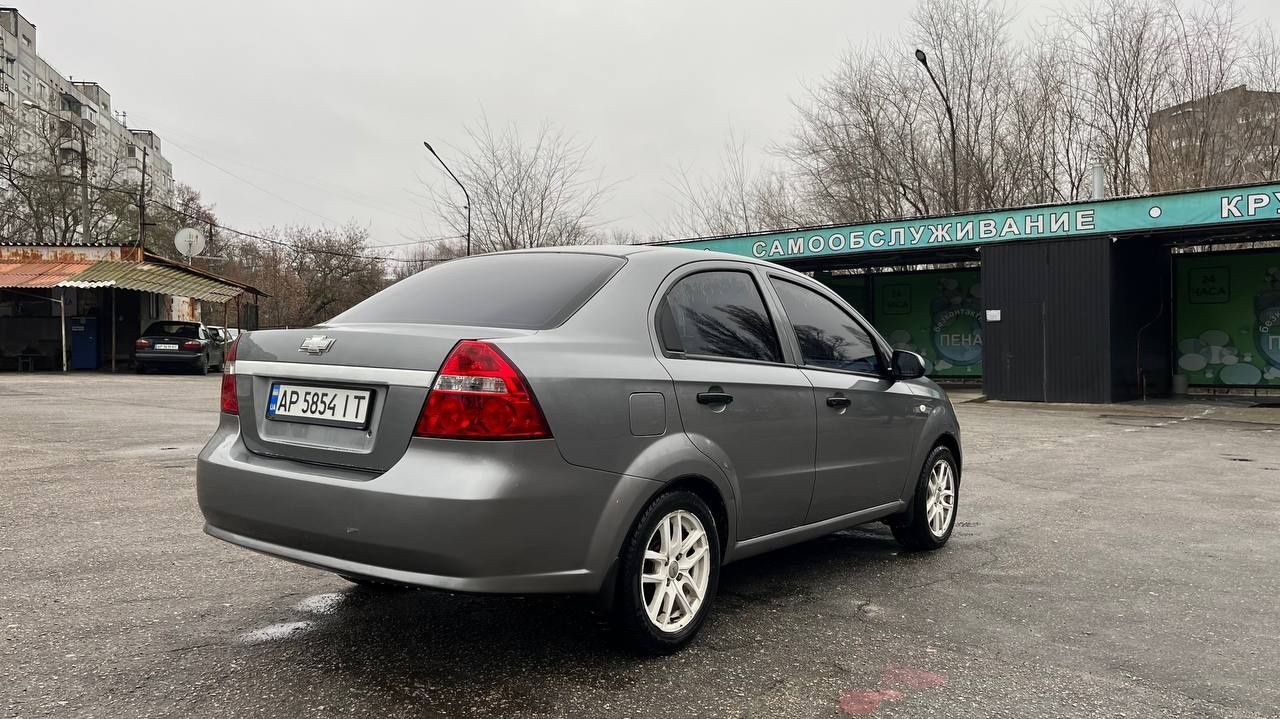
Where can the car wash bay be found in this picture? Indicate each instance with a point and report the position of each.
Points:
(1100, 301)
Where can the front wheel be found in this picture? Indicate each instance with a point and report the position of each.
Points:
(670, 568)
(932, 516)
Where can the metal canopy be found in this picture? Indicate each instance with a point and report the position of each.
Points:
(164, 279)
(160, 279)
(39, 274)
(1229, 209)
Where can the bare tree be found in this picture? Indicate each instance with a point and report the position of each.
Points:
(41, 183)
(873, 139)
(741, 198)
(311, 273)
(525, 192)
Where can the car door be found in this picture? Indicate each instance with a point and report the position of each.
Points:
(214, 349)
(867, 424)
(741, 400)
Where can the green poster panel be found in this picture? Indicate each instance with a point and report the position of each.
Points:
(935, 314)
(1228, 319)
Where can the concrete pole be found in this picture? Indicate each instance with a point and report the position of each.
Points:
(62, 315)
(84, 184)
(1099, 176)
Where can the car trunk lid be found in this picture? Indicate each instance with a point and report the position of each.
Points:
(393, 365)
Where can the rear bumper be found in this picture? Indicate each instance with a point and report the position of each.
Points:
(177, 357)
(508, 517)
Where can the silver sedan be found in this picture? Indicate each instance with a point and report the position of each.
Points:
(612, 420)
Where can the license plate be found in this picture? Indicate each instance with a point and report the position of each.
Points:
(166, 347)
(321, 405)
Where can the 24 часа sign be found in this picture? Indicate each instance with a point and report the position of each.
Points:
(1228, 319)
(935, 314)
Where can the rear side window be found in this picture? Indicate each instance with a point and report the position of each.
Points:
(173, 329)
(828, 336)
(522, 291)
(718, 314)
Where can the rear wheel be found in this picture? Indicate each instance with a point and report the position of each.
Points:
(933, 508)
(669, 572)
(140, 368)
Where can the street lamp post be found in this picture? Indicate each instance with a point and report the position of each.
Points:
(465, 194)
(951, 119)
(84, 168)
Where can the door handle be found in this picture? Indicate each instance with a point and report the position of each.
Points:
(838, 400)
(714, 398)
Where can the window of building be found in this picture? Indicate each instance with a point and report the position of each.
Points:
(718, 314)
(828, 336)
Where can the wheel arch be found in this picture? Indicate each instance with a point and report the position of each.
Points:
(699, 484)
(708, 492)
(949, 440)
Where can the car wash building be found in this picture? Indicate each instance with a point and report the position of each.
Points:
(1099, 301)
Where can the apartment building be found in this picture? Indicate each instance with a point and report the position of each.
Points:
(78, 110)
(1229, 137)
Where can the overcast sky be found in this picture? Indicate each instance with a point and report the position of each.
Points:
(316, 110)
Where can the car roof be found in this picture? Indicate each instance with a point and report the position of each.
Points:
(675, 255)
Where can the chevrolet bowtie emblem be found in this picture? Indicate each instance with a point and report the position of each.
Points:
(317, 345)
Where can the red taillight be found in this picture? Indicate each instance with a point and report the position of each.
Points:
(479, 394)
(142, 344)
(191, 345)
(230, 403)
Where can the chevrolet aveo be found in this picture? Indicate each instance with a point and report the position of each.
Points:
(612, 420)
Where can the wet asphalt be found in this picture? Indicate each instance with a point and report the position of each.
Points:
(1105, 564)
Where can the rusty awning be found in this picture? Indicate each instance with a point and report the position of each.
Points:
(39, 274)
(158, 277)
(148, 277)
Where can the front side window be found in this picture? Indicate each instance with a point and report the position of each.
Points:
(828, 336)
(718, 314)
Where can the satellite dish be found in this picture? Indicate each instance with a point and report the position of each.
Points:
(189, 242)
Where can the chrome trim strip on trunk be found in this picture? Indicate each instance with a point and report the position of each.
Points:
(341, 373)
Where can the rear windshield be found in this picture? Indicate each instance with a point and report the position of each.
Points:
(520, 291)
(173, 329)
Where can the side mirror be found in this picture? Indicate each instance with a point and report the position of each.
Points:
(907, 365)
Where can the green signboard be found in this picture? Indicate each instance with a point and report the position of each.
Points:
(1228, 319)
(1135, 214)
(935, 314)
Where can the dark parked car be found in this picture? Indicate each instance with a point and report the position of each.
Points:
(610, 420)
(170, 344)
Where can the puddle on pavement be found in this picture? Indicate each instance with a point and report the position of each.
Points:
(275, 632)
(322, 603)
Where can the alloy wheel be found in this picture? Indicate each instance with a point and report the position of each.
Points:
(675, 571)
(940, 499)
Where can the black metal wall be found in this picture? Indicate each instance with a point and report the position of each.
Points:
(1053, 340)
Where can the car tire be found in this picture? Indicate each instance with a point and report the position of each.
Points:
(660, 608)
(140, 368)
(927, 525)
